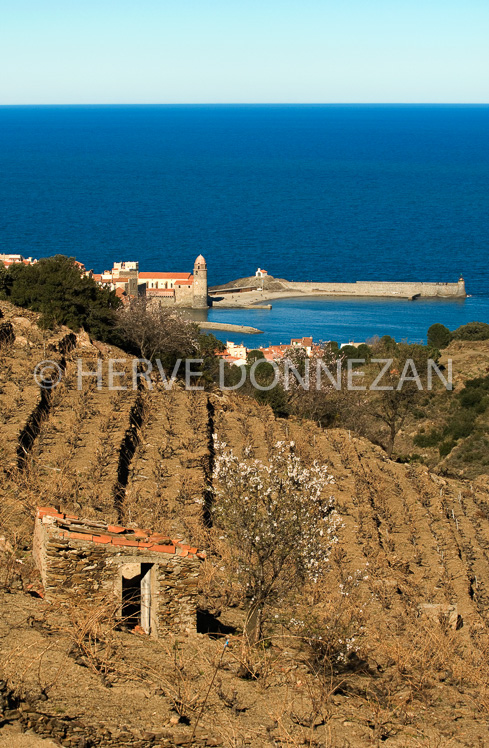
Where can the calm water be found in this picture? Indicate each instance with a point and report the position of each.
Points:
(308, 192)
(347, 320)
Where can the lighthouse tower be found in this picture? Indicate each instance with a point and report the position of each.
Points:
(200, 284)
(461, 287)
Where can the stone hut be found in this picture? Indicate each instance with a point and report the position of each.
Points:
(153, 577)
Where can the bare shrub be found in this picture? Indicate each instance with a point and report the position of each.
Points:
(157, 332)
(333, 631)
(90, 627)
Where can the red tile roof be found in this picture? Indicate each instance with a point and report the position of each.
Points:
(70, 526)
(164, 276)
(305, 342)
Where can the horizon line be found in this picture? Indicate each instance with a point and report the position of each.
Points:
(249, 103)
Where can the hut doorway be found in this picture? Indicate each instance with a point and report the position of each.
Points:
(136, 595)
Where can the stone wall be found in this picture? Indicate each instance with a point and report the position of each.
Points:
(79, 733)
(182, 297)
(381, 289)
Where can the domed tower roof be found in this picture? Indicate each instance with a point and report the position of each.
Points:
(200, 260)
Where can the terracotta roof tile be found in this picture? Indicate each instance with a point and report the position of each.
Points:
(69, 526)
(141, 533)
(122, 541)
(164, 276)
(163, 548)
(80, 536)
(158, 538)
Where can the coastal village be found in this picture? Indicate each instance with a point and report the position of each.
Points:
(168, 288)
(176, 289)
(237, 354)
(191, 291)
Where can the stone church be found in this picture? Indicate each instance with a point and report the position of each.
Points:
(179, 289)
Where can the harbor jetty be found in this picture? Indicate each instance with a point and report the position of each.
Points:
(228, 327)
(258, 289)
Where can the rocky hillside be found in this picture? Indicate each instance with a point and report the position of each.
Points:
(450, 438)
(409, 579)
(267, 282)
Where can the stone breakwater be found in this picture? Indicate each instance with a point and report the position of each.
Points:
(245, 329)
(246, 291)
(409, 290)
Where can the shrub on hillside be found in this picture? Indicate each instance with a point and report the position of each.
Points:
(352, 353)
(475, 394)
(439, 336)
(254, 355)
(56, 288)
(446, 447)
(431, 439)
(158, 333)
(404, 387)
(332, 635)
(332, 347)
(461, 425)
(388, 344)
(472, 331)
(474, 398)
(276, 398)
(5, 281)
(363, 351)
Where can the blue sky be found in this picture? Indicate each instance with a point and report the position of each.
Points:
(220, 51)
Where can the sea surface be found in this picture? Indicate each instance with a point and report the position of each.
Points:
(324, 193)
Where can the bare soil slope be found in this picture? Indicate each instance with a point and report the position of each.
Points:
(420, 673)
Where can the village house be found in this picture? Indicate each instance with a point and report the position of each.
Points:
(305, 343)
(123, 279)
(237, 351)
(127, 268)
(274, 352)
(157, 280)
(11, 259)
(153, 577)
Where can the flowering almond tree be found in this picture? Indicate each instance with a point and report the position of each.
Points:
(278, 522)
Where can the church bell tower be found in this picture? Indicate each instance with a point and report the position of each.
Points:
(200, 300)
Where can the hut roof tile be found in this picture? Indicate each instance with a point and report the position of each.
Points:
(72, 527)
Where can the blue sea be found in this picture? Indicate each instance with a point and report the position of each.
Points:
(325, 193)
